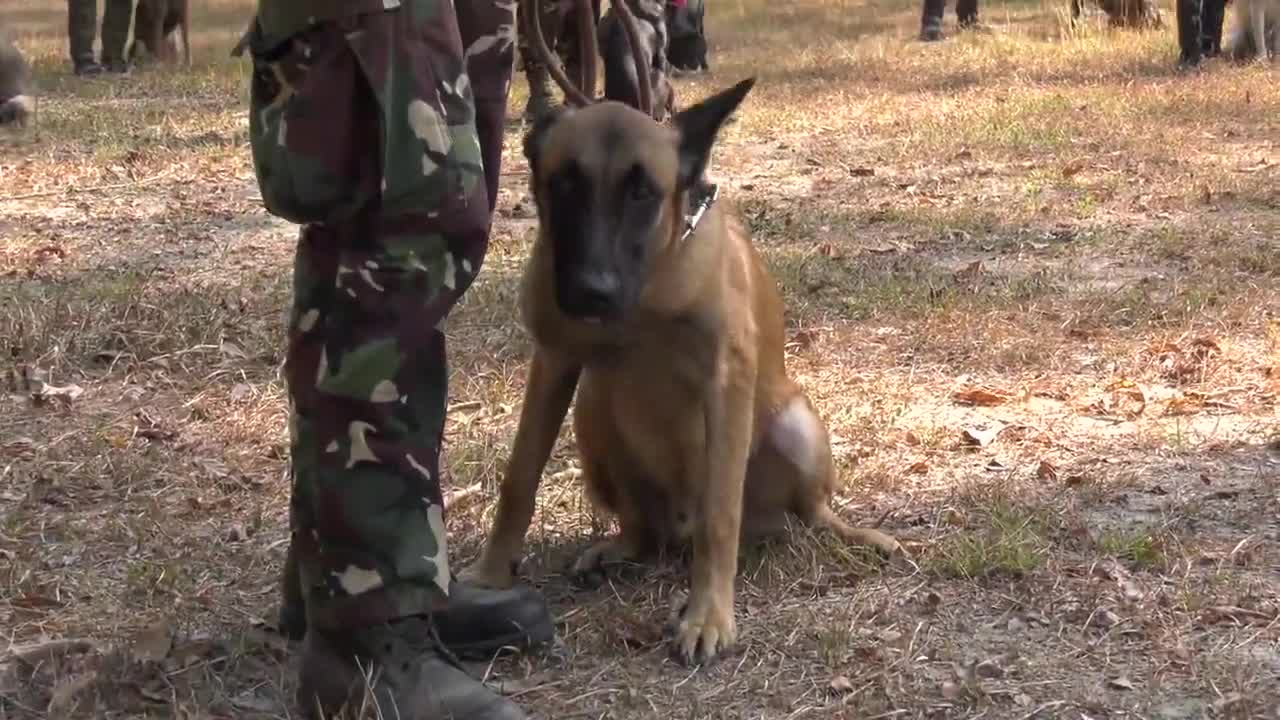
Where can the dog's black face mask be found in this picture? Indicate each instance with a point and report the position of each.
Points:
(601, 234)
(606, 186)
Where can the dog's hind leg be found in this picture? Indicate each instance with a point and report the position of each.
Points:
(795, 458)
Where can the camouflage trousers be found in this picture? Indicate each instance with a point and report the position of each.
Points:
(559, 27)
(385, 144)
(931, 14)
(82, 27)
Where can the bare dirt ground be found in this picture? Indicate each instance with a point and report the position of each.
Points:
(1032, 285)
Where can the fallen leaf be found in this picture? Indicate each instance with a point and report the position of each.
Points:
(969, 273)
(862, 171)
(951, 691)
(240, 391)
(918, 468)
(1130, 590)
(153, 643)
(990, 669)
(982, 437)
(979, 396)
(1120, 683)
(1047, 471)
(1074, 480)
(236, 533)
(32, 601)
(1073, 168)
(841, 685)
(1022, 700)
(1104, 618)
(995, 466)
(65, 393)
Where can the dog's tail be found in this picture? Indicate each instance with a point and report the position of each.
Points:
(825, 517)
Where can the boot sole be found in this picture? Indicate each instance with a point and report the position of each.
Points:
(526, 639)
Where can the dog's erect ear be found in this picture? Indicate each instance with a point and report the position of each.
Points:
(698, 126)
(538, 133)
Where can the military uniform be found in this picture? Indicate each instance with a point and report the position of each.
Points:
(1199, 29)
(377, 126)
(82, 26)
(561, 33)
(931, 17)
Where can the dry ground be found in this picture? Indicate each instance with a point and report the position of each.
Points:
(1031, 280)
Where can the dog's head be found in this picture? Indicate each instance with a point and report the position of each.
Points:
(611, 188)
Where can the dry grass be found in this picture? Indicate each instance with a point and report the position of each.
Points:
(1058, 218)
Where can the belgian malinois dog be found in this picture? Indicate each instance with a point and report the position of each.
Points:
(643, 293)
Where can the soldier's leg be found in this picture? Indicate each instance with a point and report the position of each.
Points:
(967, 13)
(1189, 25)
(398, 238)
(931, 20)
(1212, 15)
(491, 23)
(541, 92)
(117, 16)
(568, 42)
(82, 28)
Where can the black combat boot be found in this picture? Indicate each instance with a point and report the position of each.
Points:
(88, 68)
(476, 623)
(398, 669)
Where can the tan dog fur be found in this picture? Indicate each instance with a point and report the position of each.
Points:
(687, 426)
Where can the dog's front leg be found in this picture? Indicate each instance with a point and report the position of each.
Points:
(553, 378)
(707, 625)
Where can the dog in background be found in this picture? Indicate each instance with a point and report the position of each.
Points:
(1257, 30)
(154, 23)
(620, 80)
(16, 103)
(646, 298)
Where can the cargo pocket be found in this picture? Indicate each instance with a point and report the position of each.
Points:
(313, 128)
(430, 154)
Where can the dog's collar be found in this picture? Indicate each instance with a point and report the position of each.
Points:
(703, 195)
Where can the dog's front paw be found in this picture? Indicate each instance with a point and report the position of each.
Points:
(490, 573)
(704, 630)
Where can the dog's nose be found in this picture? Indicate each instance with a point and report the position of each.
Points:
(596, 292)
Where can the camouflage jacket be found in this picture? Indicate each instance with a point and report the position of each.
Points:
(281, 19)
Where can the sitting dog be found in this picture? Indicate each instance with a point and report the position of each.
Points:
(15, 83)
(1257, 30)
(154, 22)
(644, 295)
(620, 80)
